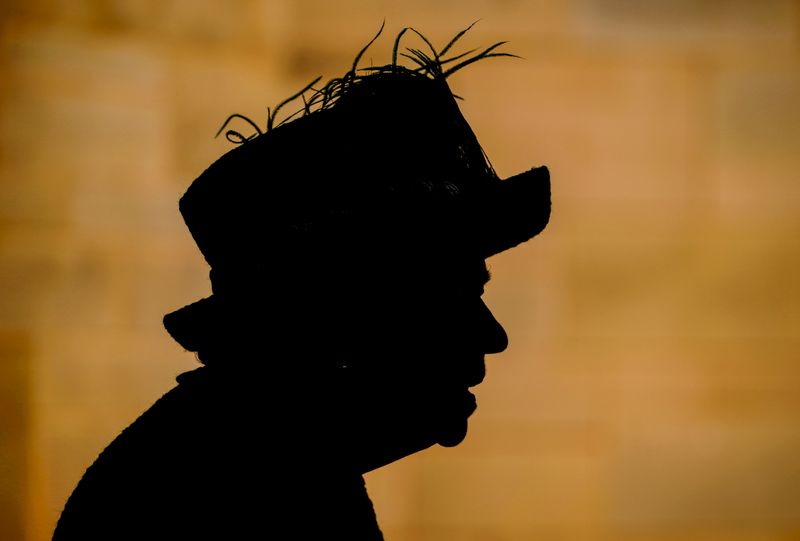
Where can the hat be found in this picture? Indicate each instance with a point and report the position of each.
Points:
(391, 160)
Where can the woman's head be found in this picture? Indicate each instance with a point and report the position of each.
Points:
(347, 247)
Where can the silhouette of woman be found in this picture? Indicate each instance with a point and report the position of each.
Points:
(347, 249)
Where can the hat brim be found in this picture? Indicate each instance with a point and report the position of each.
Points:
(518, 208)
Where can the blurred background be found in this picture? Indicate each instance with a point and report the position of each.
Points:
(652, 387)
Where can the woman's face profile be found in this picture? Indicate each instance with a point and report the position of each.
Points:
(422, 350)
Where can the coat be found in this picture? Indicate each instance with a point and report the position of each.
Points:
(218, 457)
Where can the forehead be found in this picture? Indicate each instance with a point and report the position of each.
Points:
(460, 271)
(427, 270)
(481, 273)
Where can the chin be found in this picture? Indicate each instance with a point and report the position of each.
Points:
(453, 435)
(453, 428)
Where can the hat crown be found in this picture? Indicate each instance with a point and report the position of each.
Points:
(394, 143)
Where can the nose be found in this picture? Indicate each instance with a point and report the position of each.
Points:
(494, 337)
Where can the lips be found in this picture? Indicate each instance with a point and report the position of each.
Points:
(471, 403)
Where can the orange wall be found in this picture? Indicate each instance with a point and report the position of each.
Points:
(652, 387)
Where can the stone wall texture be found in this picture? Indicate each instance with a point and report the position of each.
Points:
(652, 387)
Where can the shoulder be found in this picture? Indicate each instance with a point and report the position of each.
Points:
(145, 466)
